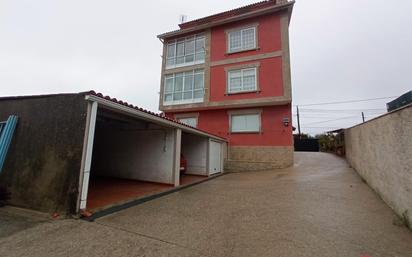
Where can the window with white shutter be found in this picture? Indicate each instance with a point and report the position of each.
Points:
(192, 121)
(245, 123)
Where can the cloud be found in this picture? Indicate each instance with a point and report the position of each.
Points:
(340, 49)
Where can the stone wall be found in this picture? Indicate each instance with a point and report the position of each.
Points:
(257, 158)
(380, 150)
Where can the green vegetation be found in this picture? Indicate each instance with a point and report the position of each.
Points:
(332, 142)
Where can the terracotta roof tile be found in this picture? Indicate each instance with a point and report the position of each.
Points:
(100, 95)
(229, 13)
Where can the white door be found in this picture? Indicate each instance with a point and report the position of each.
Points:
(215, 159)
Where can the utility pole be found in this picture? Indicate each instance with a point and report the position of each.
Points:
(363, 117)
(297, 112)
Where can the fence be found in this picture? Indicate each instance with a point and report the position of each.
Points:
(306, 145)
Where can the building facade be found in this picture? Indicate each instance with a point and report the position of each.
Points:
(229, 74)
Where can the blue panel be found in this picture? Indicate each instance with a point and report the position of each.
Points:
(6, 134)
(2, 124)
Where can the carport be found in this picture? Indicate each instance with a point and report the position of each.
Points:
(84, 151)
(204, 155)
(130, 153)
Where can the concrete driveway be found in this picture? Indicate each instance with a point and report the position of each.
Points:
(320, 207)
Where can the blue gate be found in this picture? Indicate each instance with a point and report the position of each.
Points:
(6, 134)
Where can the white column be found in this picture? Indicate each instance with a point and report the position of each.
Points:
(177, 148)
(88, 152)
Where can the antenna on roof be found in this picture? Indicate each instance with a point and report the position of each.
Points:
(182, 18)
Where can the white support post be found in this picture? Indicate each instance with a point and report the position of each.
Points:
(88, 152)
(177, 149)
(208, 157)
(222, 157)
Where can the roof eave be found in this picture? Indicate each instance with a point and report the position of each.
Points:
(288, 5)
(149, 117)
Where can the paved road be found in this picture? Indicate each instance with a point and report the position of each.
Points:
(320, 207)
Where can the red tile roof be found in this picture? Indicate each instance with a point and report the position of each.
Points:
(231, 13)
(112, 99)
(100, 95)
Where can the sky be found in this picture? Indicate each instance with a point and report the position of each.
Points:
(340, 51)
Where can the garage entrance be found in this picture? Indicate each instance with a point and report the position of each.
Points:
(194, 158)
(131, 158)
(131, 154)
(204, 156)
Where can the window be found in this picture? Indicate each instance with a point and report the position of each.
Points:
(242, 80)
(192, 121)
(184, 87)
(186, 51)
(242, 39)
(245, 122)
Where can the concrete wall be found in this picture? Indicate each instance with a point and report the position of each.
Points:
(43, 163)
(194, 149)
(381, 152)
(134, 154)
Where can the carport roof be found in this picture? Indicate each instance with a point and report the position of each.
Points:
(92, 95)
(117, 104)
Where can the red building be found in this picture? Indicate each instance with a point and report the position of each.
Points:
(229, 74)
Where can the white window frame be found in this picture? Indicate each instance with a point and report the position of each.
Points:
(242, 70)
(245, 113)
(242, 47)
(195, 53)
(184, 101)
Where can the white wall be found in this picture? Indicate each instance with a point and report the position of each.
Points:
(381, 152)
(134, 154)
(194, 149)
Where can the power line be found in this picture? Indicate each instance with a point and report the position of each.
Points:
(323, 127)
(341, 110)
(335, 113)
(344, 118)
(332, 115)
(349, 101)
